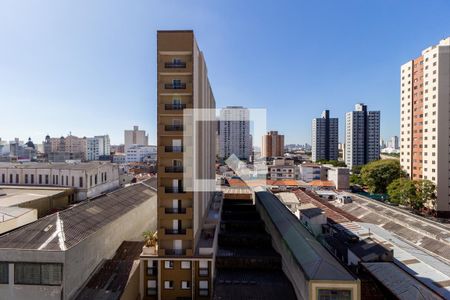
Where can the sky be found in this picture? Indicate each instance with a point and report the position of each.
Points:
(89, 66)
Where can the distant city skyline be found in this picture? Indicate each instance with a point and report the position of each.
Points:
(97, 76)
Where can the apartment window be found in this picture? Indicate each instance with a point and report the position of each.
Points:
(62, 180)
(203, 288)
(26, 178)
(168, 284)
(203, 268)
(39, 274)
(185, 285)
(4, 273)
(46, 179)
(186, 265)
(151, 288)
(32, 178)
(17, 178)
(81, 182)
(152, 268)
(168, 264)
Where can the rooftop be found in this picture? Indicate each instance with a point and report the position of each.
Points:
(17, 195)
(65, 166)
(311, 212)
(62, 230)
(315, 261)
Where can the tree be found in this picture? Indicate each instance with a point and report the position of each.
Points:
(401, 191)
(334, 163)
(425, 190)
(377, 175)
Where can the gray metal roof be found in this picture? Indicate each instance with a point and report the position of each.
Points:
(63, 230)
(311, 212)
(65, 166)
(315, 261)
(400, 283)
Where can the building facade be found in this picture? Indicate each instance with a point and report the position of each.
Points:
(362, 136)
(139, 153)
(234, 132)
(424, 120)
(272, 144)
(283, 168)
(325, 137)
(182, 267)
(135, 137)
(98, 147)
(65, 148)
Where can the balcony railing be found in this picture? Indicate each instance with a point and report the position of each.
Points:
(174, 127)
(174, 148)
(203, 292)
(173, 210)
(151, 291)
(203, 271)
(175, 65)
(175, 106)
(174, 169)
(175, 231)
(175, 251)
(174, 190)
(152, 271)
(178, 86)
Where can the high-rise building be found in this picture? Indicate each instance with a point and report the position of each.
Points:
(394, 143)
(272, 144)
(135, 137)
(183, 266)
(362, 136)
(98, 147)
(325, 137)
(425, 125)
(234, 132)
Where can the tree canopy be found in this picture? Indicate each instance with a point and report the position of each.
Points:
(411, 193)
(377, 175)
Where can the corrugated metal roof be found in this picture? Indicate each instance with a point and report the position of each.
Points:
(62, 230)
(316, 262)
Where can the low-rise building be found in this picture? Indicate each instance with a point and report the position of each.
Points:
(88, 179)
(283, 168)
(340, 176)
(313, 218)
(51, 258)
(310, 172)
(140, 153)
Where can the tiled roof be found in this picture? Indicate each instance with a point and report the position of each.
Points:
(322, 183)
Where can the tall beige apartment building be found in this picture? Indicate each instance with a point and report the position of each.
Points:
(184, 265)
(425, 120)
(272, 144)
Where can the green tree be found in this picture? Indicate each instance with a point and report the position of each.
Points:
(425, 190)
(402, 191)
(377, 175)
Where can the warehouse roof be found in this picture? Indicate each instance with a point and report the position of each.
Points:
(65, 166)
(63, 230)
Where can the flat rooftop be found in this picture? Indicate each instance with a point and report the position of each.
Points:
(9, 213)
(65, 229)
(17, 195)
(315, 261)
(66, 166)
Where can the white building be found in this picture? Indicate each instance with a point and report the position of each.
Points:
(97, 147)
(325, 137)
(89, 179)
(310, 172)
(57, 254)
(362, 136)
(339, 176)
(425, 122)
(139, 153)
(135, 137)
(234, 132)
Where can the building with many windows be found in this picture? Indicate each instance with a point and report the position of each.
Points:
(135, 137)
(362, 136)
(234, 132)
(425, 125)
(188, 216)
(272, 144)
(325, 137)
(89, 179)
(98, 147)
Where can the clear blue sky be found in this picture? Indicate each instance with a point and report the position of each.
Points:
(89, 66)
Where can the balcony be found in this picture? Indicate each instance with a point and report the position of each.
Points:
(173, 127)
(174, 190)
(175, 231)
(152, 271)
(174, 106)
(175, 234)
(177, 210)
(174, 169)
(176, 213)
(173, 252)
(203, 292)
(203, 272)
(171, 86)
(176, 149)
(175, 65)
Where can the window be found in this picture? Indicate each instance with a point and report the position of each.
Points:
(95, 179)
(203, 287)
(185, 264)
(203, 268)
(152, 268)
(46, 179)
(10, 178)
(3, 178)
(32, 178)
(168, 284)
(81, 182)
(4, 273)
(185, 285)
(168, 264)
(17, 178)
(151, 287)
(328, 294)
(39, 274)
(90, 180)
(26, 178)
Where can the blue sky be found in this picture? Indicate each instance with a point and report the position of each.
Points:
(89, 67)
